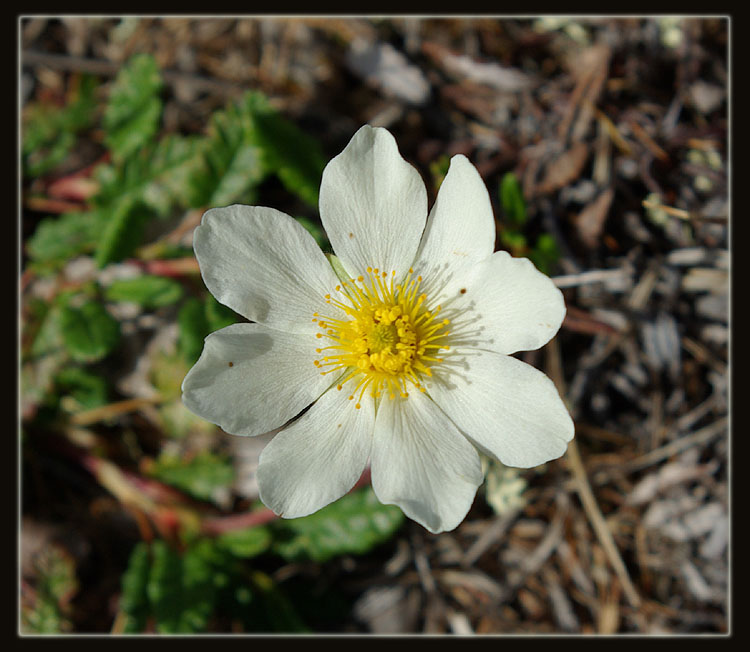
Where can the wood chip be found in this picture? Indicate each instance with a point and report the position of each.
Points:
(488, 73)
(706, 279)
(459, 623)
(565, 169)
(562, 609)
(589, 222)
(387, 69)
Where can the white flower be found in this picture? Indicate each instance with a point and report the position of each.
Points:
(404, 360)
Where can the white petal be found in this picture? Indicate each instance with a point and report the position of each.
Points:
(511, 410)
(373, 204)
(421, 463)
(319, 457)
(503, 304)
(264, 265)
(460, 228)
(251, 379)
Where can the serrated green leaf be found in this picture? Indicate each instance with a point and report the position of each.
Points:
(232, 164)
(87, 388)
(123, 232)
(39, 161)
(133, 111)
(134, 602)
(246, 543)
(199, 476)
(354, 524)
(48, 132)
(186, 589)
(147, 291)
(512, 201)
(58, 239)
(158, 176)
(245, 142)
(89, 332)
(48, 336)
(180, 590)
(294, 156)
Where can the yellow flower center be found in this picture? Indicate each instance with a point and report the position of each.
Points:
(388, 339)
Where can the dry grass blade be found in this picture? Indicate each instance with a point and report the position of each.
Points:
(111, 410)
(587, 496)
(600, 525)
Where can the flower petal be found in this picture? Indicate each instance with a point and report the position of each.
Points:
(318, 458)
(250, 379)
(503, 304)
(264, 265)
(422, 463)
(373, 204)
(509, 409)
(460, 228)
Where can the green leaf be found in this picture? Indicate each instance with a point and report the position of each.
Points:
(177, 421)
(193, 328)
(218, 315)
(159, 176)
(147, 291)
(133, 111)
(123, 232)
(49, 131)
(181, 589)
(245, 142)
(512, 201)
(354, 524)
(513, 240)
(134, 602)
(58, 239)
(232, 164)
(48, 336)
(49, 611)
(88, 389)
(545, 253)
(196, 320)
(200, 476)
(294, 156)
(182, 593)
(89, 332)
(439, 168)
(246, 543)
(278, 611)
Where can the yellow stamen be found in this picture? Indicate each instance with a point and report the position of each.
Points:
(382, 341)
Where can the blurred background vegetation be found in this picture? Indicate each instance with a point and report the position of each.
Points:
(603, 145)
